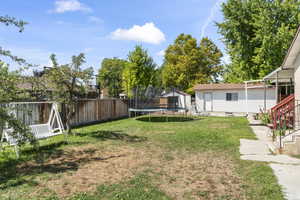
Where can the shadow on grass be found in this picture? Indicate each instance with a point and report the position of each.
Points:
(51, 158)
(113, 135)
(165, 119)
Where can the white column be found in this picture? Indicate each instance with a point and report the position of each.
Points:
(277, 99)
(246, 96)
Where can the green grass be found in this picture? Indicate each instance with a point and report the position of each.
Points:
(176, 138)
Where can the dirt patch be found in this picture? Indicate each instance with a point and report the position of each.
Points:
(200, 176)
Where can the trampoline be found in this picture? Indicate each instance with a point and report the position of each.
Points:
(161, 111)
(155, 100)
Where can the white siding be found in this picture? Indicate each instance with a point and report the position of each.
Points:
(255, 100)
(297, 78)
(297, 85)
(184, 101)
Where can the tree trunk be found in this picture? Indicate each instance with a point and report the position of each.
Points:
(69, 129)
(1, 137)
(68, 125)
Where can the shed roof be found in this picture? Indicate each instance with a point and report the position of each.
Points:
(225, 86)
(219, 86)
(176, 91)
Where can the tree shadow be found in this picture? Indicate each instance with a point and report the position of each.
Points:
(15, 172)
(113, 135)
(165, 119)
(53, 159)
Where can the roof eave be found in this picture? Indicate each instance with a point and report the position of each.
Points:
(289, 59)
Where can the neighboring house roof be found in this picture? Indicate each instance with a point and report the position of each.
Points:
(25, 86)
(183, 93)
(293, 51)
(225, 86)
(44, 84)
(28, 84)
(176, 91)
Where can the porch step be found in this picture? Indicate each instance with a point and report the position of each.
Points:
(273, 148)
(290, 144)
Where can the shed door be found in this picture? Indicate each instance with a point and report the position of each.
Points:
(208, 102)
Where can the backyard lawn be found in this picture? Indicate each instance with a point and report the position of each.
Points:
(137, 159)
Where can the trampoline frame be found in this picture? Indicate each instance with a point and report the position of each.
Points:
(161, 110)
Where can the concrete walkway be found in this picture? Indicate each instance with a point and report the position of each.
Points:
(286, 168)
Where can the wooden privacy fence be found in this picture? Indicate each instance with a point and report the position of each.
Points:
(30, 113)
(97, 110)
(86, 111)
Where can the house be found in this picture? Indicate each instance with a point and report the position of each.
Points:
(177, 99)
(288, 76)
(285, 115)
(234, 98)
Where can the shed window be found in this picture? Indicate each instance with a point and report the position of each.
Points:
(232, 96)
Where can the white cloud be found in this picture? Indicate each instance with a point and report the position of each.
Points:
(148, 33)
(211, 17)
(161, 53)
(62, 6)
(95, 19)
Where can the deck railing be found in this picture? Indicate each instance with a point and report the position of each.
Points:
(285, 118)
(283, 114)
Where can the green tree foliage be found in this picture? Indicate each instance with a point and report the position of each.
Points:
(69, 82)
(140, 70)
(257, 34)
(10, 92)
(187, 63)
(110, 75)
(9, 81)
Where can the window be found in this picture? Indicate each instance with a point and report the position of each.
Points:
(232, 96)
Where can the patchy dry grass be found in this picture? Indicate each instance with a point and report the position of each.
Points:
(201, 176)
(93, 168)
(130, 159)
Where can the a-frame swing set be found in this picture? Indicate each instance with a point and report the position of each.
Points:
(53, 127)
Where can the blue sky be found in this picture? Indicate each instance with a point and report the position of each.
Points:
(102, 29)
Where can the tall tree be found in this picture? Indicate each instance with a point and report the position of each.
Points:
(69, 82)
(257, 34)
(139, 71)
(110, 75)
(187, 63)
